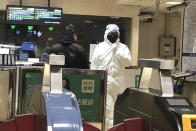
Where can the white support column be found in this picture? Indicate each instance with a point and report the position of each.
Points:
(134, 45)
(56, 79)
(46, 78)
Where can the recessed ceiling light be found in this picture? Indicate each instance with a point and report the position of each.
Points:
(114, 17)
(172, 2)
(88, 21)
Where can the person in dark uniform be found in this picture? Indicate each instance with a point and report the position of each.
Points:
(66, 84)
(74, 53)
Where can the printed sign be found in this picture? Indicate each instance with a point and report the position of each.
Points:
(88, 86)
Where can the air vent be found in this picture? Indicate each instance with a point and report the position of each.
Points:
(145, 15)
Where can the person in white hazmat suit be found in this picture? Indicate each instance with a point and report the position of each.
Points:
(113, 56)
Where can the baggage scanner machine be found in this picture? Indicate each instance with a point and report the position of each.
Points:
(155, 102)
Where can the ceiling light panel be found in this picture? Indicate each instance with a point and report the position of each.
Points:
(173, 2)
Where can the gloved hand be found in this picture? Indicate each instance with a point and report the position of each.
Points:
(114, 46)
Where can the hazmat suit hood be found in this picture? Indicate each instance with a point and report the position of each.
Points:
(109, 28)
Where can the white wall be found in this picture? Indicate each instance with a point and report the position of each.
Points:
(175, 28)
(95, 7)
(85, 7)
(3, 3)
(165, 24)
(149, 37)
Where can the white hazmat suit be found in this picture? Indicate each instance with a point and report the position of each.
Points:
(113, 57)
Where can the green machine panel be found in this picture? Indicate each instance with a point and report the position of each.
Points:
(86, 87)
(87, 91)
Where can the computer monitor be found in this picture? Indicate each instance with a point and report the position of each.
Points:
(33, 15)
(20, 15)
(27, 46)
(48, 15)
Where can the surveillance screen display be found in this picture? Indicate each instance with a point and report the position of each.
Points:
(48, 15)
(177, 102)
(20, 13)
(33, 15)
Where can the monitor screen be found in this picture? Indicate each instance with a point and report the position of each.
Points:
(20, 14)
(33, 15)
(48, 15)
(27, 46)
(177, 102)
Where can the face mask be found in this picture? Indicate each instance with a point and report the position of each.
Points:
(112, 37)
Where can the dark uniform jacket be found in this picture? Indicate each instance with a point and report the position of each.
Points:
(74, 53)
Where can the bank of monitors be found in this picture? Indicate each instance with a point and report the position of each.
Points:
(33, 15)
